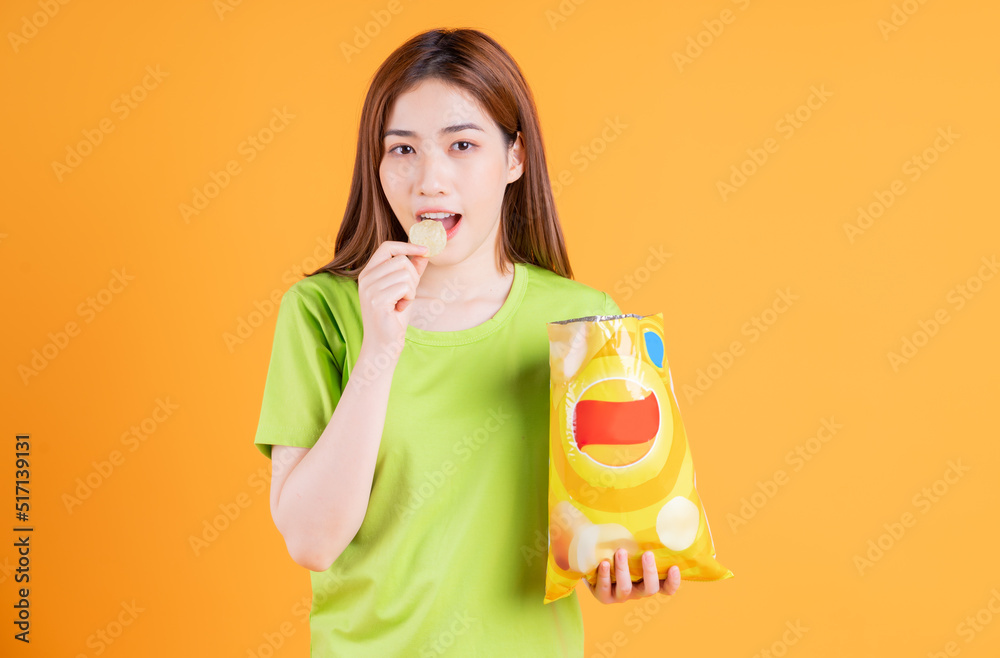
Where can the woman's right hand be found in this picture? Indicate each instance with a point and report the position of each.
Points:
(387, 286)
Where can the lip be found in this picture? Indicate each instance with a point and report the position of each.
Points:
(421, 211)
(454, 229)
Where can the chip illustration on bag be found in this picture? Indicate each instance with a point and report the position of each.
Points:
(620, 468)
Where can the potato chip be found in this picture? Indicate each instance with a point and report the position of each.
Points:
(430, 233)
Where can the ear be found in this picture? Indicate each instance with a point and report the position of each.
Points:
(515, 159)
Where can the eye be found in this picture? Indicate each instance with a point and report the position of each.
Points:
(401, 146)
(469, 143)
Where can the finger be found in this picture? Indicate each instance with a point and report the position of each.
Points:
(376, 270)
(603, 590)
(391, 248)
(650, 579)
(422, 254)
(623, 585)
(411, 269)
(414, 270)
(400, 282)
(672, 581)
(420, 263)
(410, 293)
(389, 298)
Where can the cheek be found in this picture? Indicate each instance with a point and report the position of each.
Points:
(391, 177)
(384, 177)
(487, 179)
(391, 187)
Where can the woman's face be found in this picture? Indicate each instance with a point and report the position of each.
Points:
(441, 151)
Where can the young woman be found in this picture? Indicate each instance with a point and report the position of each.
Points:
(407, 396)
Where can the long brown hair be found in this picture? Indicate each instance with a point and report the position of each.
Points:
(476, 63)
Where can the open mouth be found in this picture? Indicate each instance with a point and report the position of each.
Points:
(449, 221)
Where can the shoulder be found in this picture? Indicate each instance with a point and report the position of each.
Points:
(323, 285)
(323, 291)
(329, 298)
(553, 287)
(547, 278)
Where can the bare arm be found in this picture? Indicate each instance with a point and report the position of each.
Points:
(319, 495)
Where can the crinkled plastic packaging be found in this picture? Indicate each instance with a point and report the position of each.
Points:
(620, 467)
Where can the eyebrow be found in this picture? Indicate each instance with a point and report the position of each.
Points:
(458, 127)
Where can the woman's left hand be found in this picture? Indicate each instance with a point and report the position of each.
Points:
(624, 589)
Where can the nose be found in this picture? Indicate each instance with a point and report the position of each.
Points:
(432, 171)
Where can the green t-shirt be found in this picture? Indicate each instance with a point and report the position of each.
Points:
(450, 558)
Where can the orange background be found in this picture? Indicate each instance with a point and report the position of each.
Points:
(163, 336)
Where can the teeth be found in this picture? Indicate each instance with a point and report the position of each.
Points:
(436, 215)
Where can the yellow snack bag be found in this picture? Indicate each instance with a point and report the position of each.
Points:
(620, 468)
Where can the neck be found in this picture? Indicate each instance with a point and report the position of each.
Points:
(474, 278)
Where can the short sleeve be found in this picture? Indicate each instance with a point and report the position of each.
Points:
(610, 307)
(304, 376)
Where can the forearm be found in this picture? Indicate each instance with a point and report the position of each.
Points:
(325, 497)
